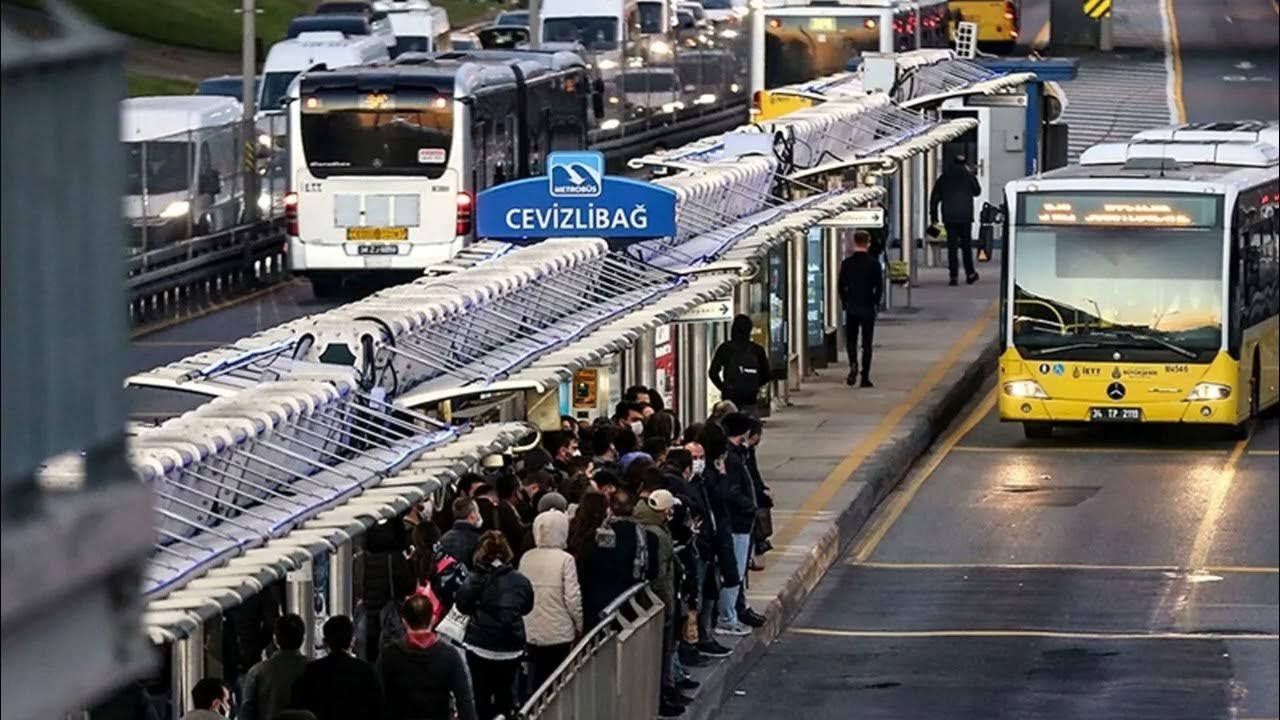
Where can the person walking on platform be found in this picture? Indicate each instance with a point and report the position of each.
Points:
(269, 685)
(210, 700)
(861, 285)
(740, 367)
(422, 677)
(339, 685)
(954, 192)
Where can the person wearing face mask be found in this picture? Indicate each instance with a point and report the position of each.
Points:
(629, 416)
(462, 539)
(210, 700)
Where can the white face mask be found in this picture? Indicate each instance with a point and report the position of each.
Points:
(699, 465)
(637, 427)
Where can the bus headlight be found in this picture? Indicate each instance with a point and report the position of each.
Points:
(1209, 391)
(176, 209)
(659, 48)
(608, 64)
(1025, 389)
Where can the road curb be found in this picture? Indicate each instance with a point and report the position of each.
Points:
(881, 473)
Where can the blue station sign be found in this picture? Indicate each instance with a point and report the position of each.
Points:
(576, 199)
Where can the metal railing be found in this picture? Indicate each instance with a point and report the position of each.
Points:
(615, 670)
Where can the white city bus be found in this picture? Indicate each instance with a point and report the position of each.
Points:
(385, 161)
(794, 41)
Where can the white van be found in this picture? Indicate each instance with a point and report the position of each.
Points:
(424, 30)
(181, 167)
(287, 58)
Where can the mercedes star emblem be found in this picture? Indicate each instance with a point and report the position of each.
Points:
(1115, 391)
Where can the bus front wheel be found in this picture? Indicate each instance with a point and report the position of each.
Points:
(1037, 430)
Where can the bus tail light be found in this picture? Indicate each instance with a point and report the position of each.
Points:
(466, 207)
(291, 213)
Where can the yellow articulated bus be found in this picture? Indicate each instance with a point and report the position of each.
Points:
(999, 21)
(1142, 285)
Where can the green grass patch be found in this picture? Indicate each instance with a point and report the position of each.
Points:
(137, 85)
(215, 25)
(204, 24)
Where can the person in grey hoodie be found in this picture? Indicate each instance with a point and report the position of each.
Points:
(556, 620)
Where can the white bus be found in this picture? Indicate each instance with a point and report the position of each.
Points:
(385, 161)
(794, 41)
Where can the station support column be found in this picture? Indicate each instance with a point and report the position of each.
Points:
(341, 562)
(797, 310)
(186, 669)
(300, 599)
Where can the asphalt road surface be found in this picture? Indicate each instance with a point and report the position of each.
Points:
(1104, 574)
(1124, 574)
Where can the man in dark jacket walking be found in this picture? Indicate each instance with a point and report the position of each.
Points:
(269, 685)
(421, 675)
(861, 285)
(339, 685)
(954, 191)
(740, 367)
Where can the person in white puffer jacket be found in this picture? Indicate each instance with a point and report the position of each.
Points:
(556, 620)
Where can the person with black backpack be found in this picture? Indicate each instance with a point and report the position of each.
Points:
(740, 367)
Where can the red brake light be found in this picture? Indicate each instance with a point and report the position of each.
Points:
(462, 226)
(291, 213)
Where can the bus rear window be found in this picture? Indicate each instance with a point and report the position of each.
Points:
(405, 132)
(801, 48)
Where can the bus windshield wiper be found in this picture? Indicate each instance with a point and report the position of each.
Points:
(1143, 337)
(1067, 348)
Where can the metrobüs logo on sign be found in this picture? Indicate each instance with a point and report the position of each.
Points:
(573, 174)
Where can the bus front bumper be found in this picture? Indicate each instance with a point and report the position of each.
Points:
(1027, 409)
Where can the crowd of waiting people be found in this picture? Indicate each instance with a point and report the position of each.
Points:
(467, 610)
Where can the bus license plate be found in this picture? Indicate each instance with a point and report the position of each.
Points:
(377, 249)
(365, 234)
(1115, 414)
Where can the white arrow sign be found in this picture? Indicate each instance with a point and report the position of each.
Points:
(1245, 65)
(714, 311)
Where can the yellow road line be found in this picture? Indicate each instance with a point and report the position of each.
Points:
(1042, 37)
(209, 310)
(1217, 504)
(1208, 528)
(1224, 569)
(1049, 450)
(840, 475)
(1032, 633)
(896, 504)
(1175, 47)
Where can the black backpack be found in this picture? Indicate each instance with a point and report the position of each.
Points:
(742, 374)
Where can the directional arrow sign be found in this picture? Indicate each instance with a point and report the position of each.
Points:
(714, 311)
(1245, 65)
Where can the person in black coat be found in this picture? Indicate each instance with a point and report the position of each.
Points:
(954, 192)
(740, 366)
(495, 597)
(423, 677)
(619, 555)
(861, 285)
(461, 540)
(339, 685)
